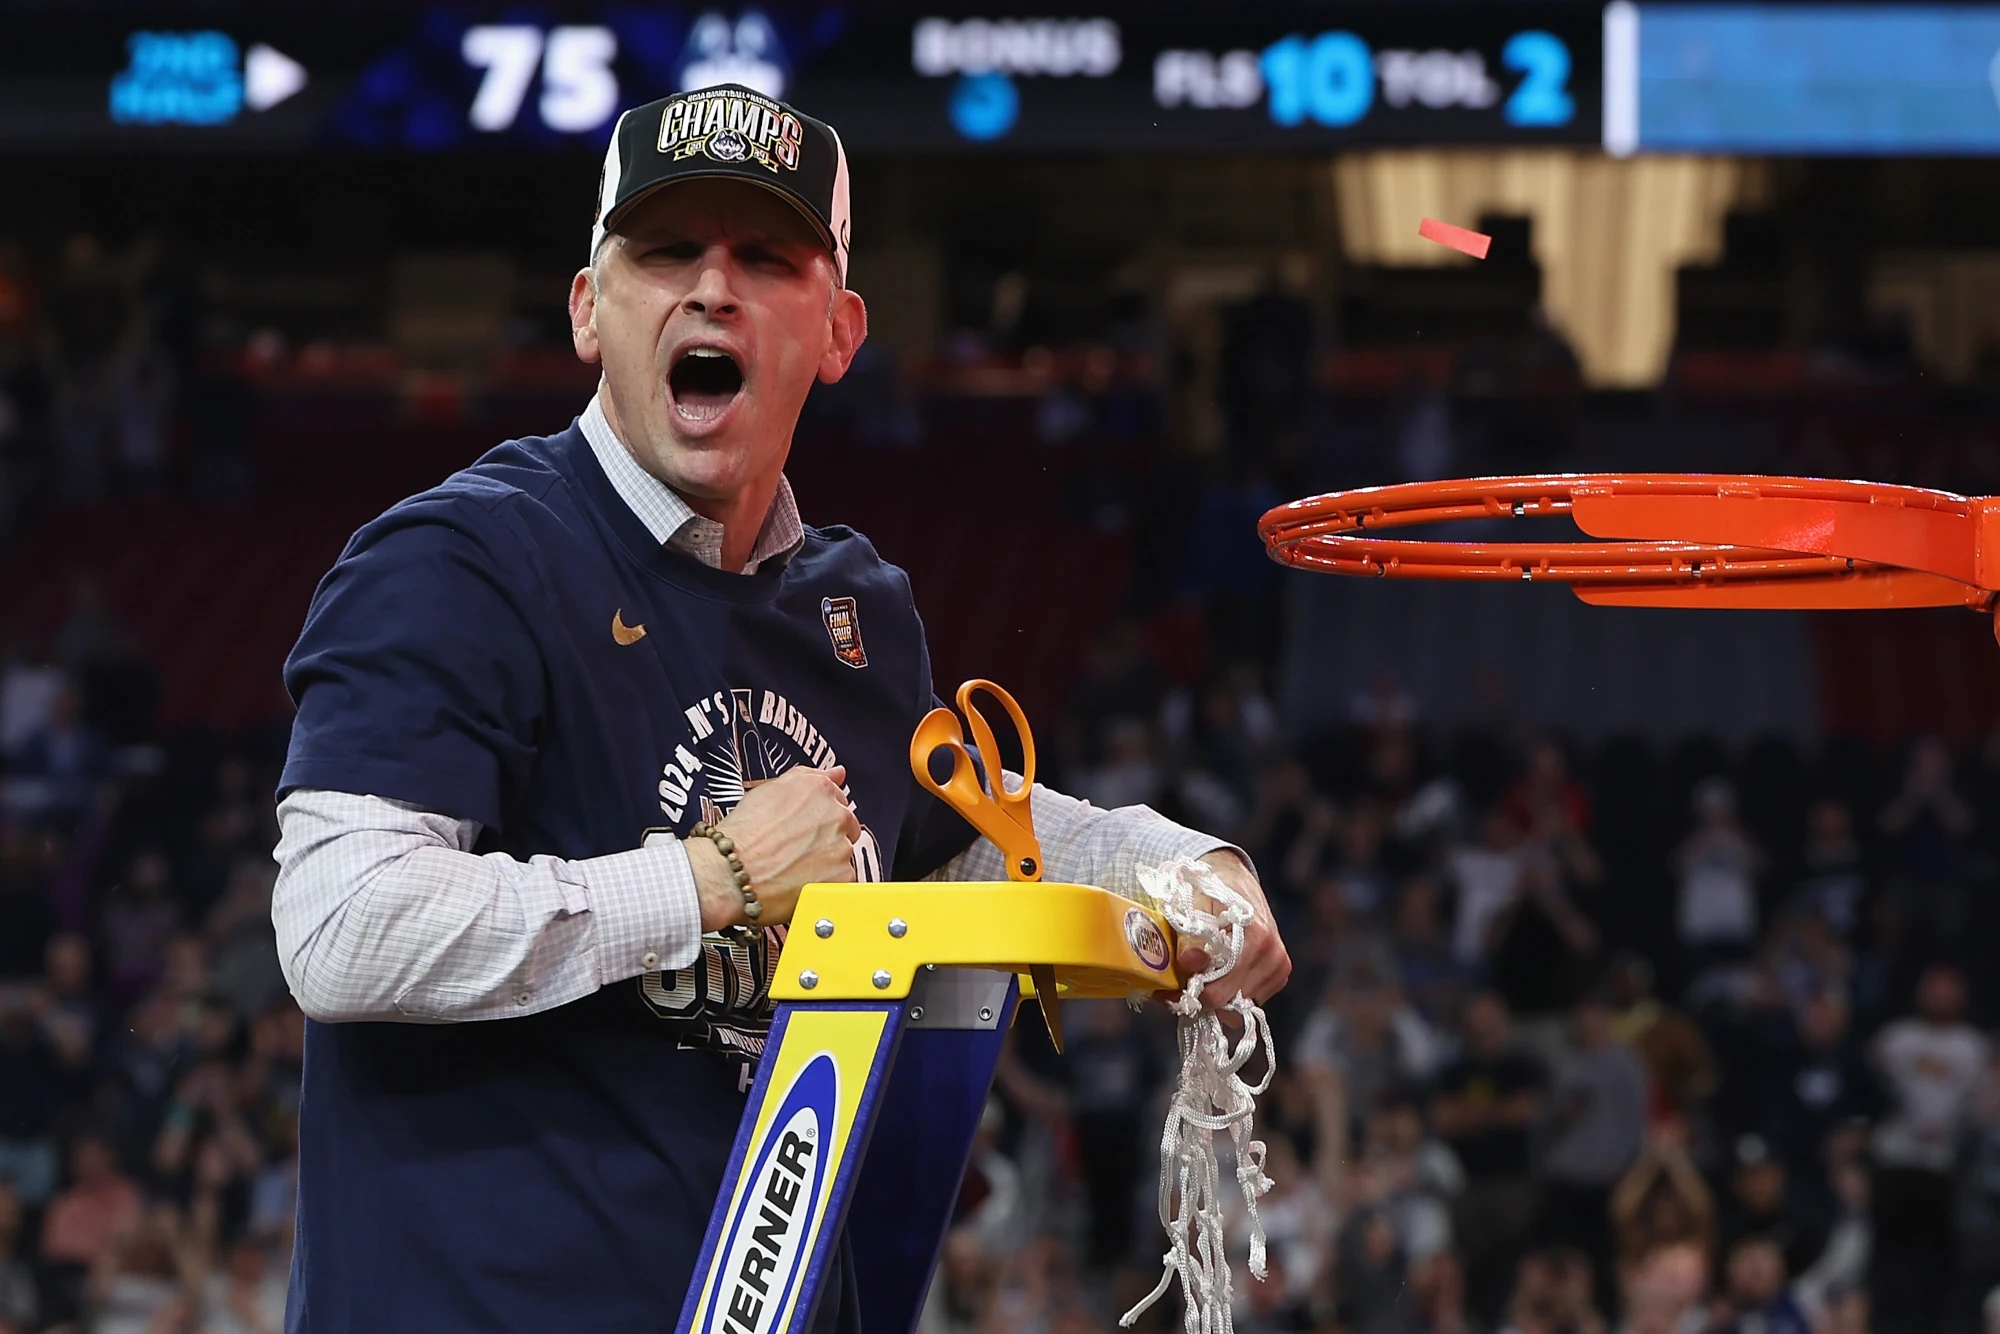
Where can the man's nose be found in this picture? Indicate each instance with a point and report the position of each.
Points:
(714, 290)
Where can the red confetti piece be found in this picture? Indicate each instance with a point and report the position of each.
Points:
(1461, 239)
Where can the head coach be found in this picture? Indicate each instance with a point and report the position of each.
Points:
(574, 727)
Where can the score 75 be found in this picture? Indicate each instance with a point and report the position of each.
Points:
(579, 89)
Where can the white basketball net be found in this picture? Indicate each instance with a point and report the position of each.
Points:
(1211, 1097)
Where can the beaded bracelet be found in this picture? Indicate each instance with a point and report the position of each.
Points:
(727, 847)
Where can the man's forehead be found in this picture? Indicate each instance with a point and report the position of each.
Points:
(718, 206)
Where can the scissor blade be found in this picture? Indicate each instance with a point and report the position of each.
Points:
(1045, 992)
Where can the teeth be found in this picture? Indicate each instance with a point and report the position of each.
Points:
(714, 352)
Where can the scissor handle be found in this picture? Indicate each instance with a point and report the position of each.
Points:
(982, 736)
(1004, 817)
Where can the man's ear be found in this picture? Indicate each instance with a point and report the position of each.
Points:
(583, 316)
(849, 328)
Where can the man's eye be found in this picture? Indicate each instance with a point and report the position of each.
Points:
(674, 250)
(763, 258)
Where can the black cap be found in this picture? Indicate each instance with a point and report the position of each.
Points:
(728, 131)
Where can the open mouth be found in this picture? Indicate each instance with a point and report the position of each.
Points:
(705, 381)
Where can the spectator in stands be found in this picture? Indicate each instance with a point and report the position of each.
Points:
(1120, 682)
(1801, 959)
(1718, 865)
(1759, 1202)
(1359, 873)
(1372, 1280)
(1367, 1033)
(1811, 1079)
(29, 684)
(1546, 801)
(1128, 772)
(56, 770)
(1409, 1176)
(1543, 944)
(1114, 1074)
(140, 1283)
(1840, 1274)
(28, 1079)
(1553, 1294)
(962, 1287)
(1430, 975)
(1576, 1293)
(1833, 884)
(141, 1068)
(1664, 1293)
(229, 831)
(139, 920)
(1437, 1296)
(105, 660)
(243, 943)
(1488, 878)
(1933, 1065)
(99, 1206)
(1267, 349)
(1488, 1102)
(27, 918)
(1662, 1202)
(20, 1301)
(1757, 1300)
(1979, 1203)
(247, 1296)
(1284, 799)
(1927, 825)
(1680, 1069)
(1597, 1123)
(70, 1017)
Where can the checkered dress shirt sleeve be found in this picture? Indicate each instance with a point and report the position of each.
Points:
(1083, 845)
(384, 912)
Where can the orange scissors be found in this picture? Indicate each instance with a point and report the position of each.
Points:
(1004, 817)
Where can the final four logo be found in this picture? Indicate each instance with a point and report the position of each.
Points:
(843, 627)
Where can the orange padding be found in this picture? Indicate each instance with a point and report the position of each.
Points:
(1685, 539)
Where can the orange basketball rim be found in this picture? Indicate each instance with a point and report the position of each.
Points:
(1671, 539)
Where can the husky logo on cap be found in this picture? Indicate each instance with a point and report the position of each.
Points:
(732, 125)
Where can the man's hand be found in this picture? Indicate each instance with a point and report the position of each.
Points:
(793, 831)
(1263, 968)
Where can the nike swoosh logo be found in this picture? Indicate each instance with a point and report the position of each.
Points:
(623, 633)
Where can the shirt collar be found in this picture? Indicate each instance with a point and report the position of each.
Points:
(669, 519)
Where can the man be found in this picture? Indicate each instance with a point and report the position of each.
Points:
(1488, 1102)
(1933, 1066)
(1813, 1083)
(1761, 1201)
(1597, 1105)
(1759, 1298)
(518, 695)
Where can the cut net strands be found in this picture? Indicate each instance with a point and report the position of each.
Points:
(1211, 1096)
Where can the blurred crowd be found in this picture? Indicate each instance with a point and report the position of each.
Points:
(1687, 1040)
(1579, 1039)
(149, 1052)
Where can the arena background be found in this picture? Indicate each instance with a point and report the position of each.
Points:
(1135, 274)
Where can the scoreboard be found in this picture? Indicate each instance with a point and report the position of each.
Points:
(1160, 76)
(1680, 76)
